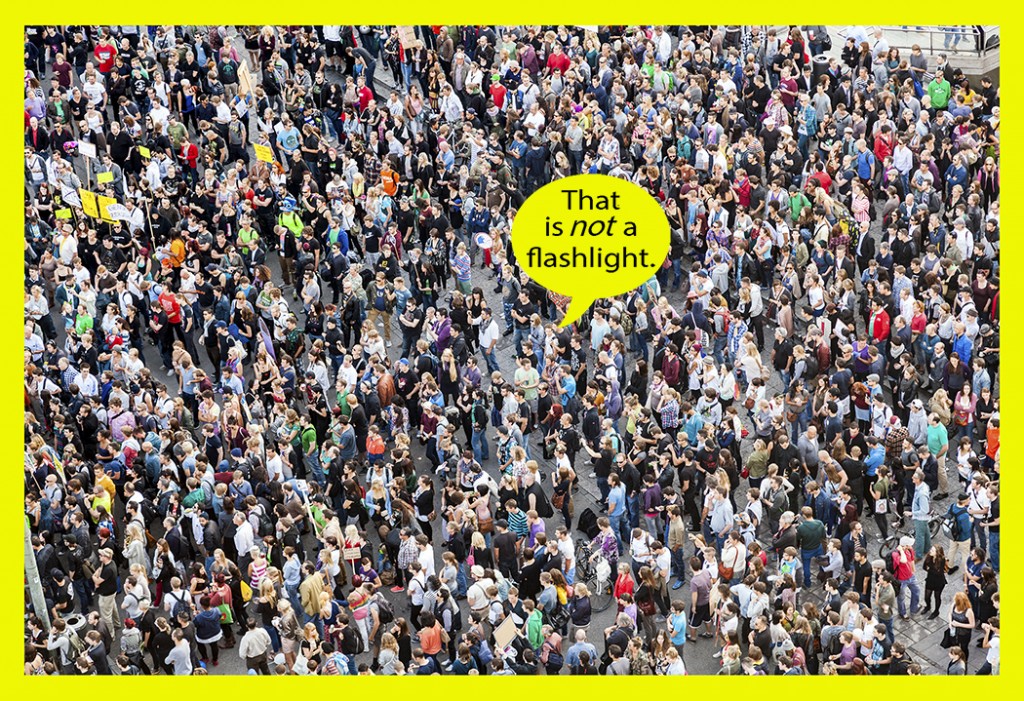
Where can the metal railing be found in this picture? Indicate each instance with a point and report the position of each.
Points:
(974, 40)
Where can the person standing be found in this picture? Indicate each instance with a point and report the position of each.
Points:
(920, 512)
(105, 581)
(254, 647)
(810, 536)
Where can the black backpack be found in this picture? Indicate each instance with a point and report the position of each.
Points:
(266, 525)
(385, 609)
(181, 606)
(588, 523)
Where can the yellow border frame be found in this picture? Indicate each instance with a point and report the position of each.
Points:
(592, 12)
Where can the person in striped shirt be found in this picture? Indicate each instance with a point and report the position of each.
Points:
(461, 265)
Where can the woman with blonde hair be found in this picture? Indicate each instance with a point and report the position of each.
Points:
(290, 631)
(135, 546)
(388, 656)
(266, 609)
(310, 645)
(731, 661)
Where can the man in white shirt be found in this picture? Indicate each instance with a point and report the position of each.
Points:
(568, 552)
(489, 335)
(243, 533)
(86, 382)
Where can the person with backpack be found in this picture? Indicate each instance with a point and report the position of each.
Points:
(449, 615)
(958, 522)
(66, 640)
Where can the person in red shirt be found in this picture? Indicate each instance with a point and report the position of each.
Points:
(742, 188)
(365, 95)
(558, 61)
(884, 143)
(169, 303)
(878, 322)
(498, 92)
(105, 53)
(189, 158)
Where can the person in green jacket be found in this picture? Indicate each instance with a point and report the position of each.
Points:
(810, 535)
(797, 201)
(534, 624)
(938, 91)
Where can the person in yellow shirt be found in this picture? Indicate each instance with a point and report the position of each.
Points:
(99, 499)
(177, 250)
(103, 480)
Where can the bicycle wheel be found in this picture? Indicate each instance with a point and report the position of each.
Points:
(887, 546)
(600, 594)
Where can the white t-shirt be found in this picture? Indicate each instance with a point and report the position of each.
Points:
(992, 656)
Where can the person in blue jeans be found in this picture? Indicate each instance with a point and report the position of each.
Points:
(618, 515)
(993, 526)
(903, 562)
(810, 535)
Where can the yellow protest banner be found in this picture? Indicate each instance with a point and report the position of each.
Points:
(105, 202)
(89, 203)
(144, 152)
(62, 213)
(106, 177)
(264, 153)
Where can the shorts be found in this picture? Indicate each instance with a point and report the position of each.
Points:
(701, 614)
(333, 48)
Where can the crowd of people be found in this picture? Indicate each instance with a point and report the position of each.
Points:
(291, 399)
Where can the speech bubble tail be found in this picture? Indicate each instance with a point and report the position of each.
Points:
(577, 308)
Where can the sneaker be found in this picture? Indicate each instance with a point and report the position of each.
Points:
(396, 589)
(717, 654)
(953, 570)
(678, 584)
(388, 344)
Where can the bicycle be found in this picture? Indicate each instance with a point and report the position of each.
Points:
(596, 574)
(904, 526)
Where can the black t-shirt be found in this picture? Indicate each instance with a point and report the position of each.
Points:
(993, 515)
(505, 544)
(783, 352)
(109, 585)
(861, 573)
(525, 310)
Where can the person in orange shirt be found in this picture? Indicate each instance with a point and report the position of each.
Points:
(431, 634)
(389, 179)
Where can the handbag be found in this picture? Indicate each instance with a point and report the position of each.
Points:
(646, 607)
(557, 500)
(246, 591)
(948, 639)
(487, 525)
(725, 572)
(749, 402)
